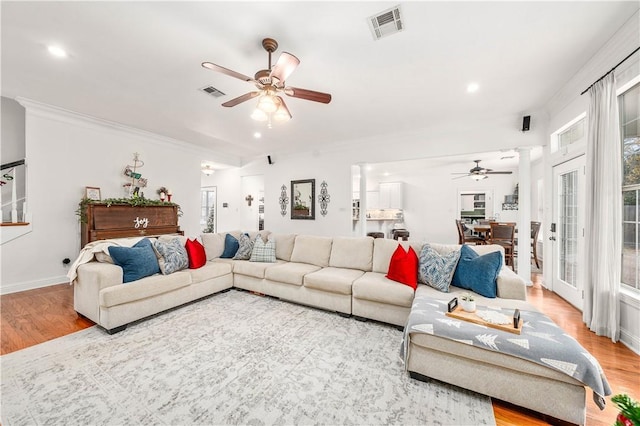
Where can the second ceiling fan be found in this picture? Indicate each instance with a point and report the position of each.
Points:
(479, 173)
(270, 83)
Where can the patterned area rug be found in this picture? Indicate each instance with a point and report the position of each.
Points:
(234, 358)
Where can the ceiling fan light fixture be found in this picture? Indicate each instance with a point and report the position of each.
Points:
(259, 115)
(267, 103)
(207, 170)
(282, 113)
(478, 177)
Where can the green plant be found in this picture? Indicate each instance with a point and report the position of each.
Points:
(299, 206)
(629, 410)
(81, 211)
(467, 297)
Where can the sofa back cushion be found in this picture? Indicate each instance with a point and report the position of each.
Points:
(383, 249)
(444, 249)
(312, 250)
(284, 245)
(352, 253)
(213, 244)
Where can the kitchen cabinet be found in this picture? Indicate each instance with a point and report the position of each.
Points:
(391, 195)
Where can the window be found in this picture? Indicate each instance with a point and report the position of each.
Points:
(207, 212)
(569, 136)
(629, 103)
(572, 135)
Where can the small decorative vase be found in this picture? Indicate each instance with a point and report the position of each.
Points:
(468, 305)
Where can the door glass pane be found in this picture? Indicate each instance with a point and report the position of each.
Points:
(568, 224)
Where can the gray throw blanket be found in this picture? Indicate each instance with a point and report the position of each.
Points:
(541, 341)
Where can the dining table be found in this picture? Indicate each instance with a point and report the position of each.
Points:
(482, 229)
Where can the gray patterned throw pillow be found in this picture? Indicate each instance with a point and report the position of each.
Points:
(263, 252)
(437, 270)
(172, 256)
(245, 249)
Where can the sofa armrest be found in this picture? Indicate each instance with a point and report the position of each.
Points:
(511, 285)
(93, 277)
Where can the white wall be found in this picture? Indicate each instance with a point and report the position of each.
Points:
(332, 168)
(67, 152)
(12, 149)
(567, 105)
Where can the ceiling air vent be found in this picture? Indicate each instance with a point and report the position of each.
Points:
(212, 91)
(386, 23)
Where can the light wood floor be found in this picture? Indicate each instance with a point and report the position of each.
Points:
(31, 317)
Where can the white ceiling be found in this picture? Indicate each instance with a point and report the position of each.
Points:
(138, 63)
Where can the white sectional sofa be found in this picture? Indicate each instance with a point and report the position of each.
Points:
(341, 274)
(345, 275)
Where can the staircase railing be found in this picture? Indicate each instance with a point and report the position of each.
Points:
(9, 178)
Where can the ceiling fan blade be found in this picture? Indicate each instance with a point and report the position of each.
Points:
(498, 173)
(309, 95)
(460, 177)
(227, 71)
(286, 64)
(240, 99)
(284, 107)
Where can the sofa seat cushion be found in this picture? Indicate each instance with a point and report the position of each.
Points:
(425, 290)
(376, 287)
(290, 273)
(253, 269)
(333, 280)
(143, 288)
(210, 270)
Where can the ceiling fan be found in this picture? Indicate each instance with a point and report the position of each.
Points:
(270, 83)
(479, 173)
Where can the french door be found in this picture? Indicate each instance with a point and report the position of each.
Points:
(567, 230)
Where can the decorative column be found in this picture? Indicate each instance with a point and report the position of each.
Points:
(363, 200)
(524, 215)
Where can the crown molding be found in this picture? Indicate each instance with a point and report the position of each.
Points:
(79, 119)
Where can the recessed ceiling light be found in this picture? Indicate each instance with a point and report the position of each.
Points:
(386, 173)
(257, 135)
(472, 87)
(57, 51)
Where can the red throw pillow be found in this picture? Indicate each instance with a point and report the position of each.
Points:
(196, 253)
(403, 267)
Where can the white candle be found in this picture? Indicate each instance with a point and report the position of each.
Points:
(169, 192)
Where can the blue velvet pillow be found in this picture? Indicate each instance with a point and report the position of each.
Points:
(231, 246)
(136, 262)
(478, 273)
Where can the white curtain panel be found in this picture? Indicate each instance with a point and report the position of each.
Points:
(603, 233)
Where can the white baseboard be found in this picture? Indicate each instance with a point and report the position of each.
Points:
(30, 285)
(630, 341)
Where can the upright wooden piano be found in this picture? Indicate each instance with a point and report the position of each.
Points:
(118, 221)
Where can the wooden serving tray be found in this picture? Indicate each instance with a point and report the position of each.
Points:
(460, 314)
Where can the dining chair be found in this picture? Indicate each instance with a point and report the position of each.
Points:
(503, 233)
(464, 238)
(535, 230)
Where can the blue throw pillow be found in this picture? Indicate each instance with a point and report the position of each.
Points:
(136, 262)
(437, 270)
(478, 273)
(231, 246)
